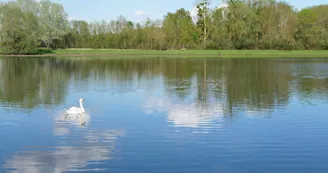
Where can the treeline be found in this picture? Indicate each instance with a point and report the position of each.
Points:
(242, 24)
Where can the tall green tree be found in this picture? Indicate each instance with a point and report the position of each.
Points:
(241, 23)
(203, 13)
(32, 6)
(179, 29)
(219, 32)
(53, 22)
(18, 34)
(321, 13)
(81, 33)
(308, 30)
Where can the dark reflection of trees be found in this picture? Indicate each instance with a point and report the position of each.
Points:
(31, 82)
(311, 79)
(177, 77)
(255, 83)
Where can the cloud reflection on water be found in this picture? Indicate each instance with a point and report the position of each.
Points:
(187, 114)
(70, 155)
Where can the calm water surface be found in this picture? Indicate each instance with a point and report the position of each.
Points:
(164, 115)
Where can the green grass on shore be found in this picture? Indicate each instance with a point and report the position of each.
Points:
(184, 54)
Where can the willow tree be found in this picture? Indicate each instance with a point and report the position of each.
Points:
(18, 33)
(241, 25)
(53, 22)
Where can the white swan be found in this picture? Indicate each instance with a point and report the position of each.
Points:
(76, 110)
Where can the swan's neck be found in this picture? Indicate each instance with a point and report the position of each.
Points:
(81, 106)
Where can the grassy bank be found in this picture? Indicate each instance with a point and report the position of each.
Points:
(184, 54)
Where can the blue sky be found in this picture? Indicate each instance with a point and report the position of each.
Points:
(135, 10)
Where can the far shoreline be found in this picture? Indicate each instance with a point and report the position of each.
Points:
(137, 53)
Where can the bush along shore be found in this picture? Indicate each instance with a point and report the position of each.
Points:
(134, 53)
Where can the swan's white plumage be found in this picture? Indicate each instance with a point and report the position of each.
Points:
(76, 110)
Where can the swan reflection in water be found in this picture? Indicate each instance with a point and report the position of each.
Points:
(81, 118)
(64, 121)
(74, 153)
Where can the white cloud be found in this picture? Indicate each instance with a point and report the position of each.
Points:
(193, 14)
(194, 11)
(139, 13)
(223, 6)
(71, 18)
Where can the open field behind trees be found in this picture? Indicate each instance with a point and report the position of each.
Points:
(27, 25)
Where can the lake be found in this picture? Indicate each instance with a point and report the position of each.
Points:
(164, 115)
